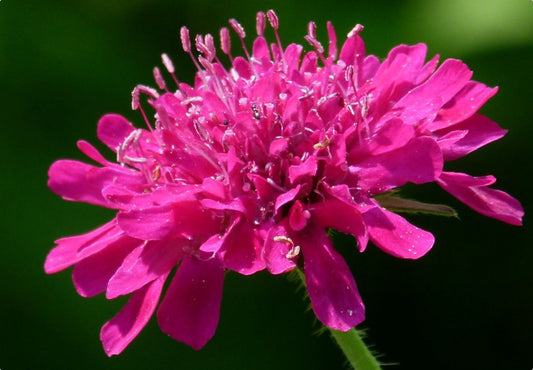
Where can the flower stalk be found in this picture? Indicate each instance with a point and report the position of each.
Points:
(355, 350)
(350, 342)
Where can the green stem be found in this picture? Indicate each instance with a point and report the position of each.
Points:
(351, 344)
(355, 349)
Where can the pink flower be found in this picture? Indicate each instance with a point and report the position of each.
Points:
(248, 168)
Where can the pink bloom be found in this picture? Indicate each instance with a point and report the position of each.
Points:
(248, 168)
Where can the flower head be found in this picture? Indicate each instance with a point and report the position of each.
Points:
(249, 167)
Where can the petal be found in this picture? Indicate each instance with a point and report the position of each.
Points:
(91, 275)
(426, 99)
(479, 132)
(463, 105)
(473, 192)
(243, 252)
(118, 332)
(395, 236)
(353, 52)
(190, 310)
(71, 249)
(298, 216)
(68, 178)
(93, 153)
(286, 197)
(304, 170)
(183, 219)
(332, 45)
(113, 129)
(389, 135)
(81, 182)
(399, 71)
(341, 215)
(419, 161)
(278, 246)
(154, 223)
(332, 289)
(143, 265)
(260, 49)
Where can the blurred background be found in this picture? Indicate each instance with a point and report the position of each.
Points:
(468, 304)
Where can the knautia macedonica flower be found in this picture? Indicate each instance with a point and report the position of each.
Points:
(248, 168)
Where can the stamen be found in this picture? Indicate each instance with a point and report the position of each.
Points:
(295, 249)
(186, 43)
(157, 173)
(283, 239)
(311, 29)
(167, 63)
(350, 75)
(135, 99)
(240, 32)
(159, 79)
(225, 42)
(355, 31)
(135, 94)
(202, 47)
(237, 28)
(185, 40)
(322, 144)
(170, 68)
(273, 19)
(312, 40)
(208, 66)
(275, 186)
(274, 22)
(210, 45)
(260, 23)
(135, 160)
(132, 138)
(294, 252)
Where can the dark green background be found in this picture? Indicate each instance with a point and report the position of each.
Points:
(467, 305)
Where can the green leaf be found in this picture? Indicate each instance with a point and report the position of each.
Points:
(396, 204)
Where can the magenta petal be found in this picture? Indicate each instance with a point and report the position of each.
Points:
(153, 223)
(113, 129)
(304, 170)
(277, 250)
(93, 153)
(391, 135)
(190, 309)
(331, 286)
(419, 161)
(91, 275)
(243, 250)
(298, 216)
(473, 192)
(118, 332)
(71, 249)
(286, 197)
(479, 132)
(180, 219)
(463, 105)
(143, 265)
(343, 216)
(81, 182)
(442, 86)
(394, 235)
(69, 179)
